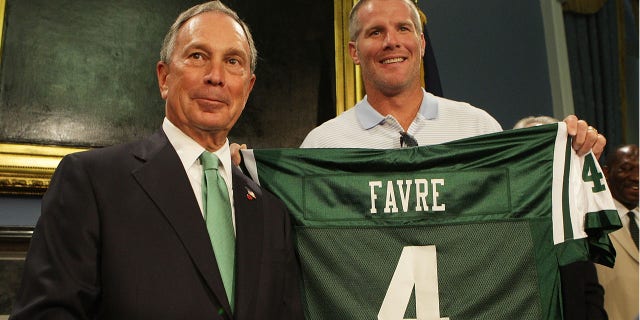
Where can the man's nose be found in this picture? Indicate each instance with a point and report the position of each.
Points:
(634, 174)
(215, 74)
(391, 39)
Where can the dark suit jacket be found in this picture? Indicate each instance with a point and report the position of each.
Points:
(121, 236)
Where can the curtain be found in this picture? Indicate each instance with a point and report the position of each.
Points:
(583, 6)
(593, 46)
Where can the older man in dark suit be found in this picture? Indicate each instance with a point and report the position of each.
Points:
(129, 231)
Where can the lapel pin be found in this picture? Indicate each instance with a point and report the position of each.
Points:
(250, 195)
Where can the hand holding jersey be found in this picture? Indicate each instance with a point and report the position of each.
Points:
(585, 137)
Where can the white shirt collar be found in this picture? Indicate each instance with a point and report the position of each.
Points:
(189, 150)
(622, 211)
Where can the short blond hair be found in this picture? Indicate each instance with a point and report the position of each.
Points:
(354, 21)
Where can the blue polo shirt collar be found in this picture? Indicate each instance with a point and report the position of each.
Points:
(369, 117)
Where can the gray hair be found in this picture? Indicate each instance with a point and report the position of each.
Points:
(212, 6)
(534, 121)
(354, 21)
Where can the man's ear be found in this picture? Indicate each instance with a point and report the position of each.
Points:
(252, 81)
(162, 71)
(353, 52)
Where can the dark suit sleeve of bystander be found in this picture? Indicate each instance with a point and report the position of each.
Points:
(582, 295)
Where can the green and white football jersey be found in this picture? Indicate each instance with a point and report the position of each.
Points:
(471, 229)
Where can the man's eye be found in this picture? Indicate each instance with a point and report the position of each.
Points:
(234, 61)
(196, 55)
(624, 168)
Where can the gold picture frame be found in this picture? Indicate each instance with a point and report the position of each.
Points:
(27, 169)
(349, 88)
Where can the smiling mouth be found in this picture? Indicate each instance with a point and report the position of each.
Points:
(393, 60)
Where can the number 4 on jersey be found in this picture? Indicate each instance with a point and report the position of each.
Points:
(417, 267)
(591, 173)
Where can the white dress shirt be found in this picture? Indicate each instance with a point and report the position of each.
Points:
(622, 212)
(189, 152)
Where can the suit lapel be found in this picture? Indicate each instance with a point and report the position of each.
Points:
(249, 237)
(165, 181)
(623, 237)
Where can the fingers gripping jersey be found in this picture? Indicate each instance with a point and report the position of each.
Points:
(471, 229)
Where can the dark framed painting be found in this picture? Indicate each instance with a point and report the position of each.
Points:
(81, 74)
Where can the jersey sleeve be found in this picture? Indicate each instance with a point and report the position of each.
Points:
(582, 203)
